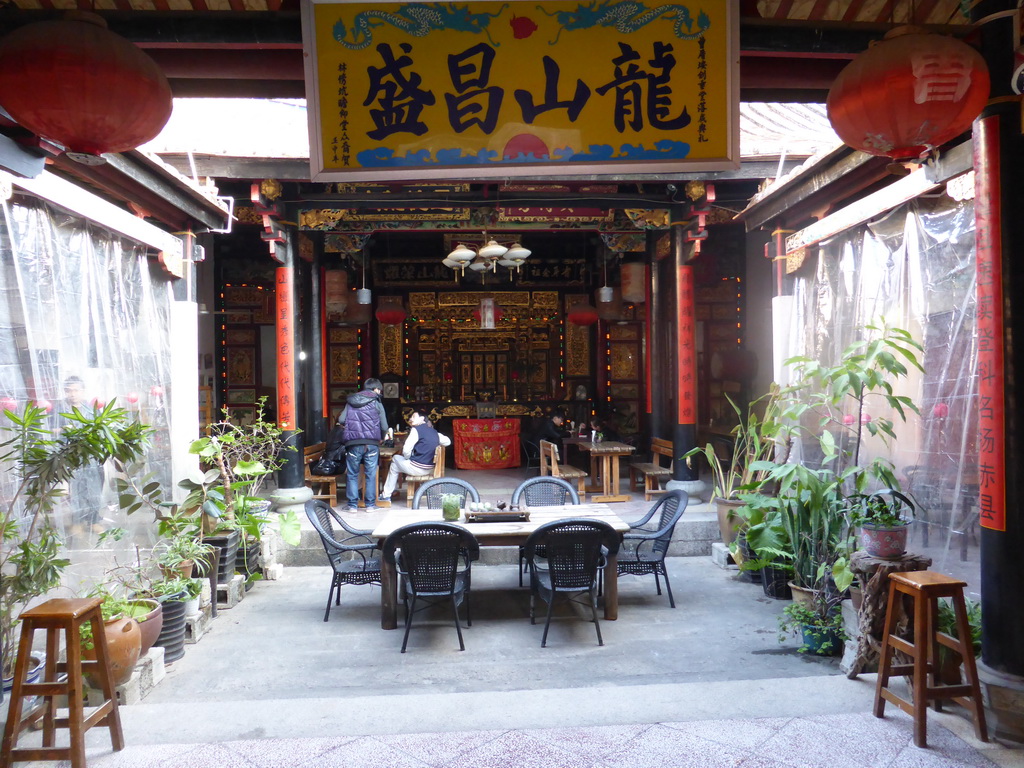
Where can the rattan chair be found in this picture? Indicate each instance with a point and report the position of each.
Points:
(350, 557)
(541, 491)
(643, 549)
(531, 451)
(431, 491)
(433, 561)
(575, 550)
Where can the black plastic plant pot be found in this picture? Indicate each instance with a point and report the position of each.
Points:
(172, 633)
(247, 561)
(775, 582)
(228, 546)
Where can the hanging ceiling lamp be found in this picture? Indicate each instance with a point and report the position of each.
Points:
(75, 82)
(363, 295)
(486, 257)
(604, 293)
(907, 94)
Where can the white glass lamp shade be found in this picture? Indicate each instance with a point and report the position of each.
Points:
(453, 264)
(479, 265)
(493, 251)
(510, 263)
(517, 252)
(605, 294)
(462, 254)
(363, 296)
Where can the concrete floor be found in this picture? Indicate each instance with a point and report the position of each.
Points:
(707, 684)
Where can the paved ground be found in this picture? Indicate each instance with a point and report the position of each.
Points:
(706, 684)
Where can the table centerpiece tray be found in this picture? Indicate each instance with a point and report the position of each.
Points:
(498, 516)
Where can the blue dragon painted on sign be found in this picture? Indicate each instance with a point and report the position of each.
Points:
(417, 19)
(628, 16)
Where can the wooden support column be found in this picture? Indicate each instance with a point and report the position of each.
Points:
(999, 234)
(656, 362)
(684, 434)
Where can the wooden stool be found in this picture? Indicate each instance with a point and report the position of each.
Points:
(926, 587)
(54, 616)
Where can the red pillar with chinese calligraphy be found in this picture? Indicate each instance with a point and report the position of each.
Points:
(999, 240)
(291, 474)
(685, 433)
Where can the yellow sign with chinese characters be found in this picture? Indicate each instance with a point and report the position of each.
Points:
(517, 88)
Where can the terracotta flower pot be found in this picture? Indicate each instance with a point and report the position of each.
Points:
(886, 542)
(150, 624)
(124, 643)
(727, 520)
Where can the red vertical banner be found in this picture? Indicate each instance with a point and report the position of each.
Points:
(988, 260)
(686, 343)
(285, 349)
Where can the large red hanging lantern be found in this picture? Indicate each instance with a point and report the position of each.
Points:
(390, 310)
(582, 314)
(908, 94)
(77, 83)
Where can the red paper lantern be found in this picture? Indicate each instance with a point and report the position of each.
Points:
(390, 310)
(907, 94)
(8, 404)
(582, 314)
(77, 83)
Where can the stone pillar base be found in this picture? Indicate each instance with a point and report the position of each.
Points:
(1004, 702)
(291, 499)
(693, 488)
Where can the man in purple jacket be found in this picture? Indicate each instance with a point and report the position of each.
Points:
(364, 423)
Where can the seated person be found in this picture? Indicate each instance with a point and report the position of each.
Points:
(551, 429)
(604, 429)
(417, 456)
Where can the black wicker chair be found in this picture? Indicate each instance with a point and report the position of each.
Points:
(531, 451)
(351, 557)
(643, 549)
(576, 549)
(542, 492)
(431, 491)
(433, 560)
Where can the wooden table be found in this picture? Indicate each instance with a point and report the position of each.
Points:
(607, 455)
(496, 535)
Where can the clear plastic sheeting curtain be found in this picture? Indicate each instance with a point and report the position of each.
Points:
(84, 320)
(915, 268)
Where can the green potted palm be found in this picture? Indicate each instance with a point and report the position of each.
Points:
(41, 463)
(828, 412)
(754, 440)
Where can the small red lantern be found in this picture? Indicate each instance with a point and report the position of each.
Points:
(448, 376)
(98, 404)
(940, 411)
(390, 310)
(514, 375)
(156, 391)
(582, 314)
(46, 405)
(907, 94)
(132, 397)
(77, 83)
(8, 404)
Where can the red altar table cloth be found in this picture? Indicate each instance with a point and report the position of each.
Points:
(486, 443)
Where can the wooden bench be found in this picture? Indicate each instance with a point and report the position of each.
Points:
(653, 472)
(412, 482)
(550, 464)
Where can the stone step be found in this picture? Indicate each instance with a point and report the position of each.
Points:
(694, 535)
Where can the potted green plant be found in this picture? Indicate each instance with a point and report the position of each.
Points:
(815, 503)
(31, 557)
(820, 627)
(179, 555)
(884, 518)
(754, 440)
(226, 499)
(173, 593)
(950, 660)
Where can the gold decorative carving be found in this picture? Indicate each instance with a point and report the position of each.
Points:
(623, 332)
(459, 411)
(419, 302)
(390, 345)
(624, 361)
(319, 218)
(243, 296)
(695, 190)
(246, 214)
(344, 335)
(271, 189)
(305, 247)
(344, 366)
(545, 300)
(472, 299)
(663, 247)
(577, 342)
(647, 218)
(795, 260)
